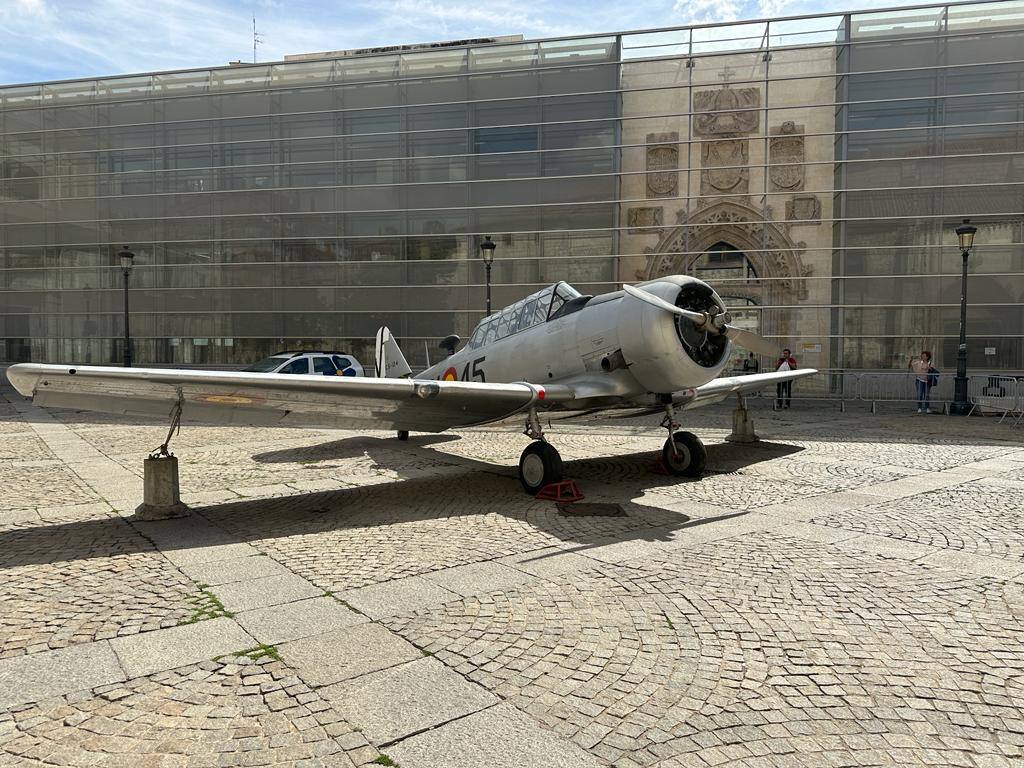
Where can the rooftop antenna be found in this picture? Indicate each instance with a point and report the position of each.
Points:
(257, 39)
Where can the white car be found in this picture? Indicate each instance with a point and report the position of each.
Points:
(317, 362)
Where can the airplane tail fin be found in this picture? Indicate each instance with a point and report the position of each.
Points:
(391, 362)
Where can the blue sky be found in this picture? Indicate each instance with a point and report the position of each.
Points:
(56, 39)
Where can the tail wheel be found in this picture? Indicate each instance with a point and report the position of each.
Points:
(687, 458)
(539, 465)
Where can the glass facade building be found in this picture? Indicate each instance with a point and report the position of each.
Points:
(812, 169)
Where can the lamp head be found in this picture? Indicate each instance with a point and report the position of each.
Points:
(127, 259)
(965, 233)
(487, 249)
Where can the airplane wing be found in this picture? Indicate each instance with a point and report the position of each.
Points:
(720, 389)
(262, 399)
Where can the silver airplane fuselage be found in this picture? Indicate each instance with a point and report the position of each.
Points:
(615, 349)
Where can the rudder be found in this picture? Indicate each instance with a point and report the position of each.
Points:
(391, 363)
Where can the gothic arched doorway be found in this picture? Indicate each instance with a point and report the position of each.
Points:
(750, 262)
(733, 275)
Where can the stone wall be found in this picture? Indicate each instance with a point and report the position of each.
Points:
(698, 134)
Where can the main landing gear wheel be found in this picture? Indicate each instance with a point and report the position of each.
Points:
(539, 465)
(403, 434)
(688, 457)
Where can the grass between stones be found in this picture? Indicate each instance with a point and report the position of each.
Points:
(328, 593)
(385, 760)
(205, 605)
(258, 652)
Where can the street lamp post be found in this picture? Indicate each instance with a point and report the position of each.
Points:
(487, 253)
(127, 259)
(961, 406)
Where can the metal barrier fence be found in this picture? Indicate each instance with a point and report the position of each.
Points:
(999, 392)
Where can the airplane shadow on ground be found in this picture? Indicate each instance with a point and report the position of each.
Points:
(634, 470)
(436, 485)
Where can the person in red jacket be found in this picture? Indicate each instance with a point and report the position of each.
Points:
(784, 389)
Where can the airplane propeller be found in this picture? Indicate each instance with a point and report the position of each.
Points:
(714, 324)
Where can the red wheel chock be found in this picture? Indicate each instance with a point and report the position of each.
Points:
(563, 492)
(658, 467)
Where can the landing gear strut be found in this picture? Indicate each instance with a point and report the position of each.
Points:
(683, 454)
(540, 464)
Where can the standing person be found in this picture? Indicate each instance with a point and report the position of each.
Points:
(921, 366)
(750, 364)
(784, 389)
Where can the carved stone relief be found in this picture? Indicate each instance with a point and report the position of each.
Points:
(767, 245)
(638, 219)
(726, 111)
(724, 168)
(662, 164)
(786, 155)
(805, 209)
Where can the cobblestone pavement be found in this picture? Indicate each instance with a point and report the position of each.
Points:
(226, 713)
(849, 591)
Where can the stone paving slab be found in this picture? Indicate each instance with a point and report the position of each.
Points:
(499, 737)
(399, 596)
(270, 590)
(549, 562)
(208, 553)
(395, 703)
(303, 618)
(53, 673)
(175, 647)
(478, 577)
(346, 653)
(234, 569)
(979, 565)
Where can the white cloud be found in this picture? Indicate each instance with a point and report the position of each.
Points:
(707, 11)
(477, 20)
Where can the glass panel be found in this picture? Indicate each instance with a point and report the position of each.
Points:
(917, 21)
(675, 42)
(734, 37)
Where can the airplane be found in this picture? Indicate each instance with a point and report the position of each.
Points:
(656, 347)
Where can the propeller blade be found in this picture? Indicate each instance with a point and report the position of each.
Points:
(656, 301)
(750, 340)
(746, 339)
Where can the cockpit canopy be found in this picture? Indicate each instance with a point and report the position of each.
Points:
(535, 309)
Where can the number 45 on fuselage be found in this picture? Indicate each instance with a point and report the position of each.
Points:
(656, 347)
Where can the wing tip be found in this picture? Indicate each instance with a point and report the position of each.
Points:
(22, 377)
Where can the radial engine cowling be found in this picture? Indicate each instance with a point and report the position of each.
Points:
(665, 352)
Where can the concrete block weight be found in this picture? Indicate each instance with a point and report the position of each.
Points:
(161, 491)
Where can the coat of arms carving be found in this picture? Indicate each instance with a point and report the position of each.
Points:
(641, 220)
(724, 168)
(726, 111)
(786, 156)
(804, 209)
(662, 164)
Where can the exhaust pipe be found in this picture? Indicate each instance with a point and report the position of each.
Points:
(613, 362)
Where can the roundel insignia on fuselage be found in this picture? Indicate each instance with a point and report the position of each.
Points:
(450, 375)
